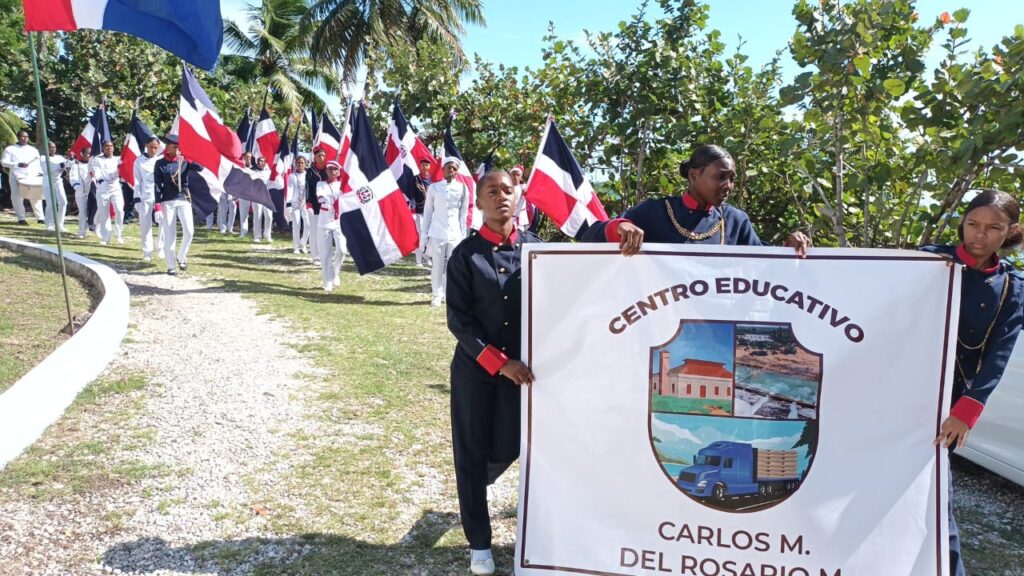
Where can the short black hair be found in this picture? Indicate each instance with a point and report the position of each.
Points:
(424, 161)
(701, 157)
(23, 131)
(1005, 203)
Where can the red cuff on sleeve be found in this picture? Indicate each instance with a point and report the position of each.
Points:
(967, 409)
(611, 229)
(492, 359)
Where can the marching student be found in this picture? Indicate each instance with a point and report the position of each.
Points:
(699, 216)
(444, 224)
(108, 193)
(244, 205)
(262, 217)
(22, 160)
(145, 197)
(170, 179)
(332, 241)
(484, 302)
(81, 181)
(422, 185)
(316, 174)
(297, 206)
(56, 164)
(226, 213)
(991, 314)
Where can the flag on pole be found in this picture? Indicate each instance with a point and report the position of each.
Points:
(280, 168)
(475, 218)
(244, 129)
(404, 152)
(204, 139)
(346, 147)
(558, 187)
(190, 29)
(138, 136)
(95, 132)
(328, 138)
(266, 138)
(484, 167)
(314, 129)
(375, 217)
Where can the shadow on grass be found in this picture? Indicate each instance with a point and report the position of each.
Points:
(418, 551)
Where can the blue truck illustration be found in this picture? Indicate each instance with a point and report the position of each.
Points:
(723, 469)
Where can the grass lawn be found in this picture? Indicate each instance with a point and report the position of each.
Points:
(32, 312)
(689, 405)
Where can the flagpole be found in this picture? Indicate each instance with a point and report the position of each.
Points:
(49, 179)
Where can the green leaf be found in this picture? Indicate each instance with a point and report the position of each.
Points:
(961, 15)
(863, 64)
(895, 86)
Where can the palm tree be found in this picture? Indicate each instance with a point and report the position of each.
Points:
(344, 31)
(275, 50)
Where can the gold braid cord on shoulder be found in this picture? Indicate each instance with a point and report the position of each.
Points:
(693, 236)
(984, 341)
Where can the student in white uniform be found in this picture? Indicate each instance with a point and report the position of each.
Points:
(297, 207)
(262, 217)
(444, 224)
(56, 164)
(81, 180)
(108, 193)
(22, 161)
(145, 197)
(243, 204)
(332, 241)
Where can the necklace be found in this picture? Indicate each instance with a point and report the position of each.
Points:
(984, 341)
(693, 236)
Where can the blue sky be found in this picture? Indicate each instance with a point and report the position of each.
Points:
(712, 341)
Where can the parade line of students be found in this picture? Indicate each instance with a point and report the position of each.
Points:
(477, 273)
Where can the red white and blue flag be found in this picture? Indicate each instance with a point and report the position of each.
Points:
(93, 135)
(138, 136)
(404, 152)
(328, 138)
(203, 138)
(375, 217)
(191, 29)
(558, 187)
(484, 167)
(280, 169)
(244, 130)
(474, 218)
(266, 138)
(346, 147)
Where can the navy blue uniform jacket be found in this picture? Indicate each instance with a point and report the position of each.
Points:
(313, 177)
(652, 216)
(978, 371)
(165, 172)
(484, 294)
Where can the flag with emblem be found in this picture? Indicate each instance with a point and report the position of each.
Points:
(375, 217)
(558, 187)
(138, 136)
(404, 152)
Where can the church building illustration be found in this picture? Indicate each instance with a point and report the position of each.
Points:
(693, 378)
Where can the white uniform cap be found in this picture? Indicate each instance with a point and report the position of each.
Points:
(452, 160)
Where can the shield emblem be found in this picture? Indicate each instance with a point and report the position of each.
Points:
(364, 194)
(733, 412)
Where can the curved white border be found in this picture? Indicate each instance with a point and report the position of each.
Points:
(40, 397)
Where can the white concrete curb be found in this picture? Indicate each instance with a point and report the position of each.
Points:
(40, 397)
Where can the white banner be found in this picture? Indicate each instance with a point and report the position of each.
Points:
(734, 411)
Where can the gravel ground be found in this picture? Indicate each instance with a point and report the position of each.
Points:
(225, 393)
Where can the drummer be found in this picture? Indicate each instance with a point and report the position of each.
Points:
(22, 162)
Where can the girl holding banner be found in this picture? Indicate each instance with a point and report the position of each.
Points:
(484, 295)
(700, 216)
(991, 314)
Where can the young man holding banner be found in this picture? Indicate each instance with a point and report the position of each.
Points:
(484, 294)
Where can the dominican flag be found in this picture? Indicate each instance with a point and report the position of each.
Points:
(138, 136)
(328, 138)
(404, 152)
(190, 29)
(266, 138)
(558, 188)
(280, 168)
(346, 148)
(475, 218)
(375, 217)
(314, 128)
(244, 130)
(96, 132)
(204, 139)
(484, 167)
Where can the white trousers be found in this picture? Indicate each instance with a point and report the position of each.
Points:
(82, 200)
(144, 210)
(209, 220)
(440, 252)
(62, 207)
(262, 222)
(103, 203)
(332, 252)
(177, 210)
(243, 217)
(19, 204)
(418, 218)
(300, 226)
(226, 214)
(315, 234)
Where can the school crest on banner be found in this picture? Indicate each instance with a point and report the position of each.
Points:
(734, 411)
